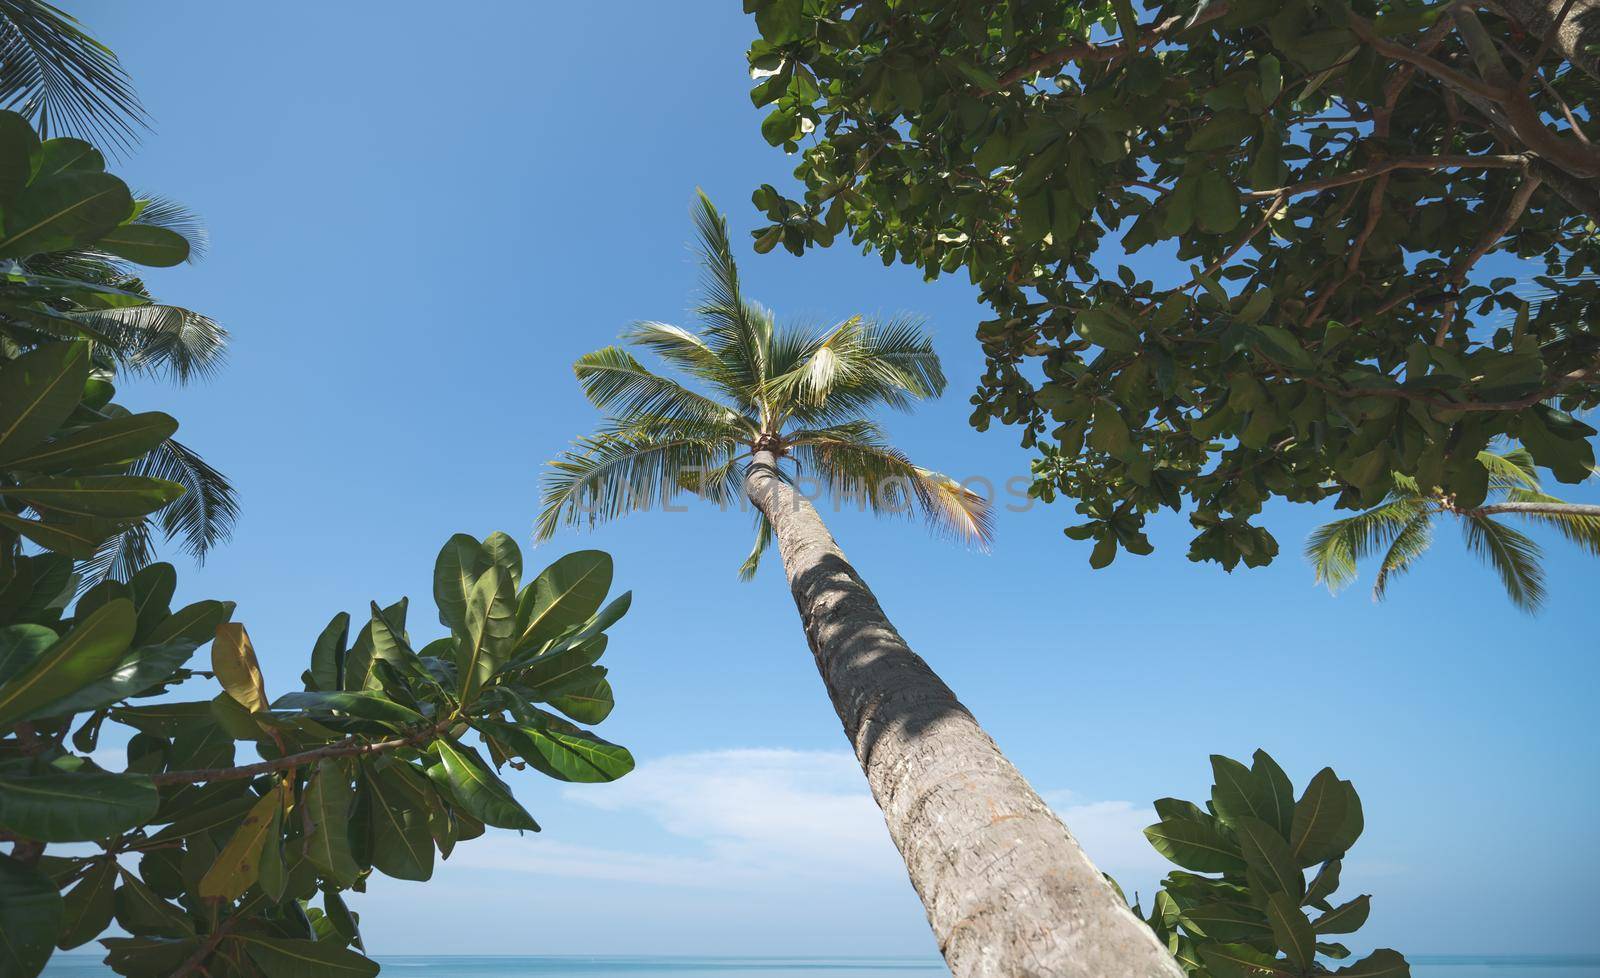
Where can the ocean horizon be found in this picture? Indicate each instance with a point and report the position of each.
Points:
(80, 965)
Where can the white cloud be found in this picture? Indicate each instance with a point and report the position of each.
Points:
(749, 817)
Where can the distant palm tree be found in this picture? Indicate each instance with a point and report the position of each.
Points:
(1402, 528)
(1001, 878)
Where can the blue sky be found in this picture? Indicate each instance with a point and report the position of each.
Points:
(422, 214)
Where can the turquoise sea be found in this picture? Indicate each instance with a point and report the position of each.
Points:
(606, 966)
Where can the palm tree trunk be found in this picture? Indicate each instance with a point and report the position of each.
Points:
(1008, 891)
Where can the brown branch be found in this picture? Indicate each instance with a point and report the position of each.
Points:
(1266, 219)
(195, 961)
(349, 747)
(1443, 162)
(1087, 51)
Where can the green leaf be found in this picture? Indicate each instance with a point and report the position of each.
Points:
(87, 909)
(110, 442)
(585, 695)
(1238, 792)
(38, 390)
(66, 212)
(239, 863)
(483, 795)
(1196, 845)
(88, 652)
(1266, 852)
(328, 801)
(233, 659)
(553, 667)
(402, 844)
(1327, 820)
(141, 911)
(1241, 961)
(145, 244)
(561, 750)
(564, 594)
(1291, 930)
(30, 919)
(1323, 884)
(282, 957)
(151, 589)
(491, 627)
(1279, 811)
(1216, 203)
(365, 705)
(1229, 922)
(75, 806)
(460, 563)
(139, 670)
(196, 623)
(147, 957)
(327, 656)
(79, 539)
(503, 551)
(1382, 963)
(1225, 130)
(108, 496)
(1346, 918)
(21, 646)
(67, 155)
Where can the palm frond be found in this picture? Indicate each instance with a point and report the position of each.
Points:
(1578, 528)
(1514, 557)
(205, 515)
(179, 343)
(752, 563)
(1334, 548)
(62, 79)
(1512, 469)
(614, 381)
(686, 351)
(1408, 545)
(740, 332)
(883, 480)
(164, 212)
(119, 558)
(607, 475)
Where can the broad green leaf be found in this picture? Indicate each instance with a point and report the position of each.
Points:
(1280, 811)
(1291, 930)
(38, 390)
(1323, 884)
(139, 670)
(79, 539)
(75, 806)
(328, 803)
(65, 154)
(327, 656)
(585, 695)
(65, 212)
(30, 919)
(482, 794)
(460, 563)
(87, 908)
(366, 705)
(146, 245)
(282, 957)
(402, 844)
(239, 863)
(21, 646)
(554, 667)
(1382, 963)
(141, 911)
(272, 870)
(1227, 922)
(1266, 852)
(1346, 918)
(490, 623)
(89, 651)
(1196, 845)
(151, 589)
(1238, 792)
(147, 956)
(96, 497)
(564, 594)
(1242, 961)
(607, 616)
(233, 659)
(19, 151)
(103, 443)
(1327, 820)
(561, 750)
(195, 623)
(503, 551)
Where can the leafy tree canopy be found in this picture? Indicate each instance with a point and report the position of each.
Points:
(1358, 191)
(211, 863)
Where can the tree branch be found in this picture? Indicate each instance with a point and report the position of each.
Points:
(1534, 509)
(1448, 162)
(350, 747)
(1086, 51)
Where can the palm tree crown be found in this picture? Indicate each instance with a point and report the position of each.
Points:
(798, 394)
(1402, 528)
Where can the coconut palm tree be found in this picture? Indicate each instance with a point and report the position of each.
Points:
(1007, 889)
(1401, 527)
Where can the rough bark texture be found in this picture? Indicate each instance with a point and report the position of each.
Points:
(1579, 30)
(1008, 891)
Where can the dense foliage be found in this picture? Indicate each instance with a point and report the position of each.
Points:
(1359, 190)
(70, 234)
(1239, 908)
